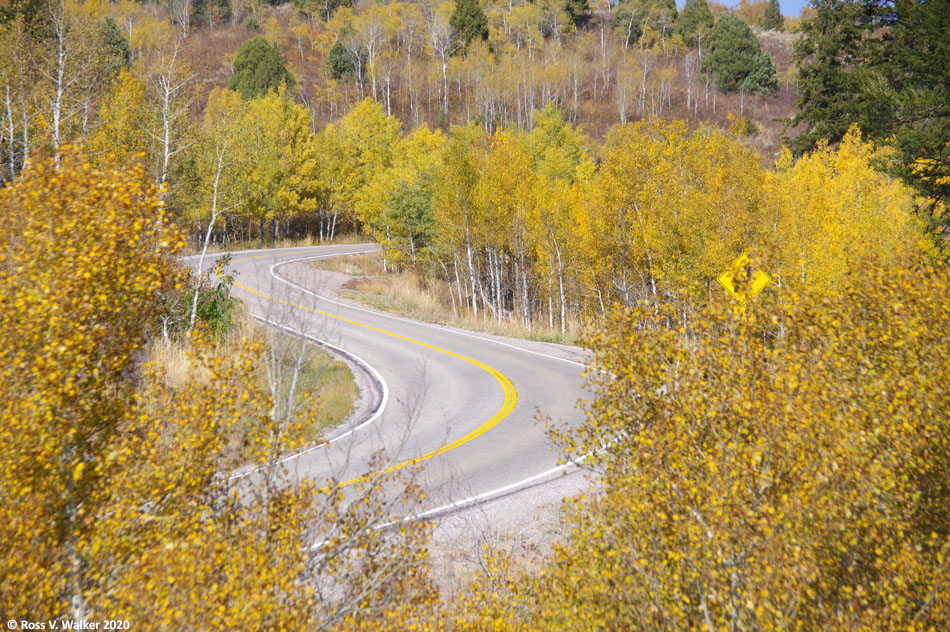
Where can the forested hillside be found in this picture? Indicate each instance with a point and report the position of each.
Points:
(266, 122)
(605, 65)
(758, 461)
(600, 65)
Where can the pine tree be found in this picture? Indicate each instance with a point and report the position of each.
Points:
(115, 46)
(915, 67)
(773, 20)
(469, 21)
(258, 69)
(342, 62)
(578, 10)
(694, 21)
(736, 59)
(887, 69)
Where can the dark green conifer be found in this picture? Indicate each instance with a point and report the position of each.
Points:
(258, 69)
(886, 68)
(772, 20)
(694, 21)
(469, 22)
(736, 59)
(578, 10)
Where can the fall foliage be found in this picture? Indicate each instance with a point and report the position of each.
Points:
(406, 56)
(588, 169)
(526, 227)
(782, 469)
(115, 504)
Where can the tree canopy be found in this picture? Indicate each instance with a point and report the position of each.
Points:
(578, 10)
(736, 60)
(694, 20)
(259, 69)
(469, 21)
(885, 67)
(772, 20)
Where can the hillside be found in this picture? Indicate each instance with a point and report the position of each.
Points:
(586, 70)
(758, 390)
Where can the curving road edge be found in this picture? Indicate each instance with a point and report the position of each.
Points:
(283, 267)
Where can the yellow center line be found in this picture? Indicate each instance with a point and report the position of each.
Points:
(511, 397)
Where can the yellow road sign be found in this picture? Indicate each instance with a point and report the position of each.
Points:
(757, 279)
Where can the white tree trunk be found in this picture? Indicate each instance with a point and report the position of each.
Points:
(473, 281)
(219, 155)
(11, 134)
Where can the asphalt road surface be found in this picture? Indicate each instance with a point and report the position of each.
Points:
(459, 408)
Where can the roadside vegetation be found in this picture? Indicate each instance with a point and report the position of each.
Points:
(324, 387)
(782, 467)
(294, 242)
(426, 299)
(117, 502)
(561, 170)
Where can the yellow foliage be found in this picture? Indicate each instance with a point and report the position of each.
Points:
(670, 209)
(832, 208)
(783, 470)
(117, 499)
(527, 226)
(83, 255)
(119, 137)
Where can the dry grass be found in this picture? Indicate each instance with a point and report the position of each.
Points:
(324, 382)
(408, 294)
(325, 385)
(174, 358)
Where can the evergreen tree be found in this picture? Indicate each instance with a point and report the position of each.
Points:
(32, 11)
(469, 21)
(829, 57)
(885, 68)
(212, 11)
(773, 20)
(694, 21)
(761, 76)
(258, 69)
(341, 61)
(736, 59)
(578, 10)
(913, 62)
(115, 45)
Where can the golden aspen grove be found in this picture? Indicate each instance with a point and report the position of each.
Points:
(573, 173)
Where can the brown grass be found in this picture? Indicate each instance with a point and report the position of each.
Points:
(326, 387)
(211, 50)
(425, 299)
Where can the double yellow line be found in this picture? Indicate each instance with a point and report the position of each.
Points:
(511, 396)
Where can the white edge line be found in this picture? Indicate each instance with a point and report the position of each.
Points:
(489, 495)
(473, 500)
(455, 505)
(383, 401)
(501, 491)
(459, 505)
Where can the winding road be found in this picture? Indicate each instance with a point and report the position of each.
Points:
(461, 406)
